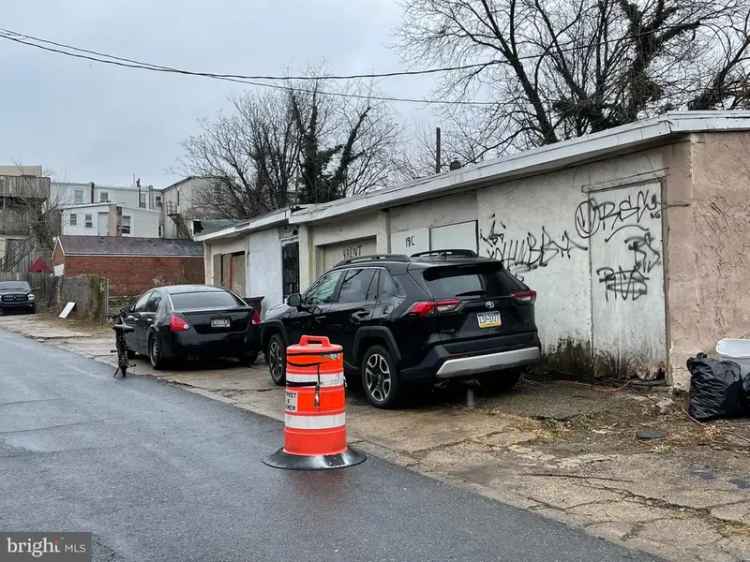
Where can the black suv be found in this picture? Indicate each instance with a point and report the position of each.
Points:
(401, 320)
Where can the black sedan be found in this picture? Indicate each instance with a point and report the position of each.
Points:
(191, 321)
(16, 295)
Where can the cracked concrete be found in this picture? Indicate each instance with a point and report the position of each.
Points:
(567, 451)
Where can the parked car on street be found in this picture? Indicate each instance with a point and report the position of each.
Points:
(191, 321)
(431, 317)
(16, 295)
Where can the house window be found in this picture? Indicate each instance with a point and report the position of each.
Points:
(73, 219)
(142, 200)
(158, 201)
(125, 225)
(78, 196)
(89, 220)
(104, 197)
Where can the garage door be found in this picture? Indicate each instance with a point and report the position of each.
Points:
(461, 236)
(334, 253)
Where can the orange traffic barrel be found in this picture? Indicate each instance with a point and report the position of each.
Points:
(315, 412)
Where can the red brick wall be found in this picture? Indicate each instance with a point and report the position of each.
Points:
(129, 276)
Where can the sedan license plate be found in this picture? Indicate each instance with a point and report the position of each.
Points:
(489, 319)
(220, 323)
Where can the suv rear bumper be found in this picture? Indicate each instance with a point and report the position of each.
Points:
(468, 358)
(467, 366)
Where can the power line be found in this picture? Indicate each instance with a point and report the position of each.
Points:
(391, 74)
(241, 80)
(560, 47)
(96, 56)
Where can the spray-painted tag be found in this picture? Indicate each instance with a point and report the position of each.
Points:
(291, 401)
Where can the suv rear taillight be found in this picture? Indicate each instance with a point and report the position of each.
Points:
(524, 296)
(255, 318)
(430, 308)
(178, 324)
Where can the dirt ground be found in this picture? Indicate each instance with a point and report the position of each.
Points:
(624, 463)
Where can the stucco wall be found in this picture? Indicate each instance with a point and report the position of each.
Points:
(264, 267)
(564, 233)
(709, 245)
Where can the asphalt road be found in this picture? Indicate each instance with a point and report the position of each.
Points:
(157, 473)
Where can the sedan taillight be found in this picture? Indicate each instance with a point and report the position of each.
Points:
(524, 296)
(255, 318)
(178, 324)
(430, 308)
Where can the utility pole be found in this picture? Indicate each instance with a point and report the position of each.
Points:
(437, 150)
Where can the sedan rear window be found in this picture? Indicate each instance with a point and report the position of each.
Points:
(198, 300)
(480, 280)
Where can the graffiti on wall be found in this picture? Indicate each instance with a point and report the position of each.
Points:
(610, 217)
(618, 220)
(631, 281)
(535, 250)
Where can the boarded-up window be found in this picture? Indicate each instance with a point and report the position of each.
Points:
(216, 275)
(226, 270)
(233, 272)
(238, 274)
(461, 236)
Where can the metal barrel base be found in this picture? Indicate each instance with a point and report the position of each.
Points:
(281, 459)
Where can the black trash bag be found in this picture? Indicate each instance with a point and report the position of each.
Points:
(716, 389)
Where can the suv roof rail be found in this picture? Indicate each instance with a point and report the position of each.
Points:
(447, 253)
(375, 257)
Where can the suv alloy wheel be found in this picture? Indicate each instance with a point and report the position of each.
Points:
(380, 379)
(276, 358)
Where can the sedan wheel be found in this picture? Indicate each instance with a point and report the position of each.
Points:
(276, 357)
(155, 353)
(380, 378)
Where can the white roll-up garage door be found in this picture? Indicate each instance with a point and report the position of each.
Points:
(334, 253)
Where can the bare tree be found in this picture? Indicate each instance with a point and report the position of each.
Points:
(556, 69)
(26, 215)
(284, 147)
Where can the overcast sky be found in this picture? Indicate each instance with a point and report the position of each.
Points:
(86, 121)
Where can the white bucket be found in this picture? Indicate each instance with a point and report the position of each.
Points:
(737, 351)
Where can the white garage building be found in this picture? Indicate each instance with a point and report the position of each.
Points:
(621, 233)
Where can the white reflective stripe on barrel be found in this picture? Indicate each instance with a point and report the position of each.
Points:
(325, 379)
(314, 422)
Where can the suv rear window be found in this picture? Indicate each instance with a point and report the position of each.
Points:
(485, 279)
(204, 299)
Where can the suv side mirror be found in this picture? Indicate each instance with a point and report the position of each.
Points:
(295, 299)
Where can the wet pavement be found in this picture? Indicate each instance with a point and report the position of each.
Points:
(162, 474)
